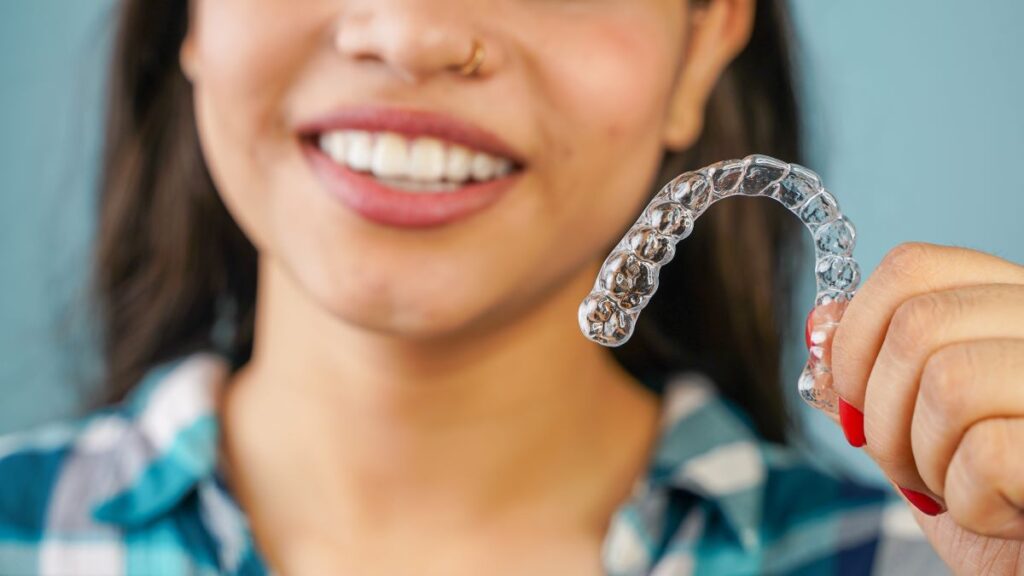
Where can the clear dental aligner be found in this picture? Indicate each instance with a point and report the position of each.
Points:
(629, 276)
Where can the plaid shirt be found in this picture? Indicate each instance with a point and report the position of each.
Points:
(135, 489)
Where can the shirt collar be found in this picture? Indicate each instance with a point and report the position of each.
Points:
(174, 412)
(708, 448)
(705, 447)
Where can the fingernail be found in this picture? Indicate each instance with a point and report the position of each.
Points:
(922, 502)
(852, 421)
(807, 329)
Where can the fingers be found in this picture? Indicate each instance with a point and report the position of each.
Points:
(963, 384)
(921, 299)
(985, 482)
(919, 327)
(908, 270)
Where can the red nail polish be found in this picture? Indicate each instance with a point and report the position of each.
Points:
(922, 502)
(852, 421)
(807, 329)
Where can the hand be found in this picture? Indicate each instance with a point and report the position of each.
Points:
(929, 362)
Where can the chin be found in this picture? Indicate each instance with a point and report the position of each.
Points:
(412, 316)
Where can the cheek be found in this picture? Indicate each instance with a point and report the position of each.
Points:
(255, 44)
(606, 78)
(247, 54)
(620, 92)
(612, 73)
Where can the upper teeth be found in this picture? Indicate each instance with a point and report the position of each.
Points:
(393, 156)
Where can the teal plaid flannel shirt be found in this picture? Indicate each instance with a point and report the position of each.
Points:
(136, 489)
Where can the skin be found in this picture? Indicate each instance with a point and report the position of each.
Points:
(931, 352)
(427, 391)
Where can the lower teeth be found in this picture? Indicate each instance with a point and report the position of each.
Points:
(415, 186)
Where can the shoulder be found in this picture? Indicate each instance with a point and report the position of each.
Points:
(55, 475)
(45, 497)
(31, 462)
(89, 494)
(44, 465)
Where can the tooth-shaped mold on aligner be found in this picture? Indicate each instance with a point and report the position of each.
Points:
(762, 175)
(725, 177)
(629, 276)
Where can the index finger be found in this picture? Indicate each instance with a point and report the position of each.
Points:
(908, 270)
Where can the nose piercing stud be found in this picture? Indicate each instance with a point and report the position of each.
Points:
(629, 276)
(476, 59)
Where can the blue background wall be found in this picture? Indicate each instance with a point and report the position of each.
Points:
(51, 80)
(914, 122)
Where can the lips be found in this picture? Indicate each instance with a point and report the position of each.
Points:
(383, 201)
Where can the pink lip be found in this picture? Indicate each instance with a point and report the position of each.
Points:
(366, 196)
(389, 206)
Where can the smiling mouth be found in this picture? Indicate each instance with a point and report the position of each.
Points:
(409, 168)
(416, 164)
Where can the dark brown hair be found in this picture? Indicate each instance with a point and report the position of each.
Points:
(174, 274)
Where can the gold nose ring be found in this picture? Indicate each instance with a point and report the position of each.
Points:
(475, 60)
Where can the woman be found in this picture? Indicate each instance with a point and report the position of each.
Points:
(342, 247)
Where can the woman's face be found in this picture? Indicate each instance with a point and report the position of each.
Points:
(586, 94)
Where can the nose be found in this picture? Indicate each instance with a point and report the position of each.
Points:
(416, 39)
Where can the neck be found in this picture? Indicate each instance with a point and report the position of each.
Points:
(529, 417)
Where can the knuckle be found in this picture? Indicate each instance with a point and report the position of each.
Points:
(980, 478)
(891, 454)
(913, 321)
(944, 381)
(885, 459)
(928, 440)
(985, 447)
(906, 259)
(965, 515)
